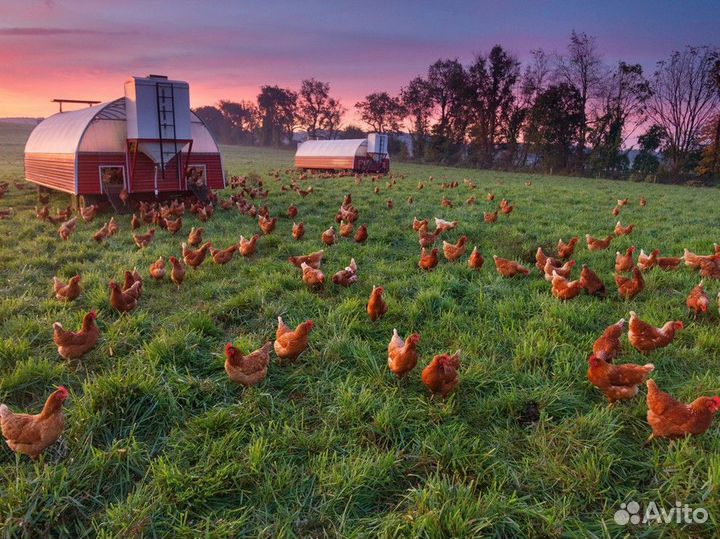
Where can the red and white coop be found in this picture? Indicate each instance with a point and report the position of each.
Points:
(149, 142)
(359, 155)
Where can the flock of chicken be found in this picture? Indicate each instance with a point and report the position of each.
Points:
(669, 418)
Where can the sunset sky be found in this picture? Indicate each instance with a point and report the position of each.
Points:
(227, 49)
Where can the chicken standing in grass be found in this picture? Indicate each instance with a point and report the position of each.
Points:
(698, 300)
(428, 260)
(509, 268)
(30, 435)
(607, 347)
(69, 291)
(595, 244)
(143, 240)
(646, 338)
(123, 301)
(195, 236)
(247, 247)
(298, 231)
(247, 370)
(313, 278)
(157, 269)
(617, 382)
(566, 250)
(289, 344)
(476, 260)
(624, 262)
(347, 276)
(194, 258)
(402, 354)
(328, 236)
(361, 235)
(313, 259)
(592, 284)
(441, 375)
(376, 306)
(177, 275)
(454, 251)
(223, 256)
(564, 289)
(73, 345)
(670, 418)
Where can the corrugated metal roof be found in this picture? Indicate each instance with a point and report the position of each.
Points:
(102, 128)
(332, 148)
(61, 132)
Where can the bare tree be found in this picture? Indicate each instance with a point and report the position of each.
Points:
(583, 69)
(684, 100)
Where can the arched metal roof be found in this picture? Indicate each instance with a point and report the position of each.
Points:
(101, 128)
(332, 148)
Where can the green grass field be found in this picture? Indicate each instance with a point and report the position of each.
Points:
(159, 443)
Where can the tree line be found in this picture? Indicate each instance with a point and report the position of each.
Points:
(562, 113)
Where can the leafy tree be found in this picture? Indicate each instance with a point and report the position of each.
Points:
(491, 83)
(381, 112)
(449, 89)
(684, 100)
(555, 125)
(710, 162)
(417, 101)
(646, 162)
(277, 107)
(221, 128)
(242, 116)
(352, 132)
(316, 110)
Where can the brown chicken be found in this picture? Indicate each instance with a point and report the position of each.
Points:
(30, 435)
(428, 239)
(565, 270)
(298, 231)
(592, 284)
(490, 197)
(616, 211)
(346, 229)
(328, 237)
(441, 375)
(566, 250)
(67, 228)
(123, 301)
(247, 370)
(541, 258)
(623, 230)
(131, 278)
(247, 247)
(376, 306)
(670, 418)
(194, 258)
(647, 262)
(442, 225)
(476, 260)
(428, 261)
(646, 338)
(698, 301)
(509, 268)
(508, 209)
(617, 382)
(361, 235)
(292, 211)
(623, 202)
(563, 289)
(454, 251)
(608, 347)
(113, 227)
(595, 244)
(267, 225)
(490, 217)
(101, 234)
(177, 275)
(157, 269)
(419, 225)
(195, 236)
(173, 226)
(69, 291)
(347, 276)
(88, 213)
(289, 344)
(313, 278)
(670, 263)
(73, 345)
(313, 259)
(223, 256)
(135, 223)
(143, 240)
(629, 287)
(402, 354)
(692, 260)
(643, 202)
(624, 262)
(446, 203)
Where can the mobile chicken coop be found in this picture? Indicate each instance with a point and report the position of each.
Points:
(358, 155)
(148, 142)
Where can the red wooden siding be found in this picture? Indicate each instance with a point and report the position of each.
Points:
(89, 170)
(56, 171)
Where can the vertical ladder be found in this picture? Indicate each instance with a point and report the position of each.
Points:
(165, 94)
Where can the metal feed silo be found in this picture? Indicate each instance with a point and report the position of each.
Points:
(158, 117)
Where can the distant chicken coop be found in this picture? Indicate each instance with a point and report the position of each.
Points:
(148, 142)
(358, 155)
